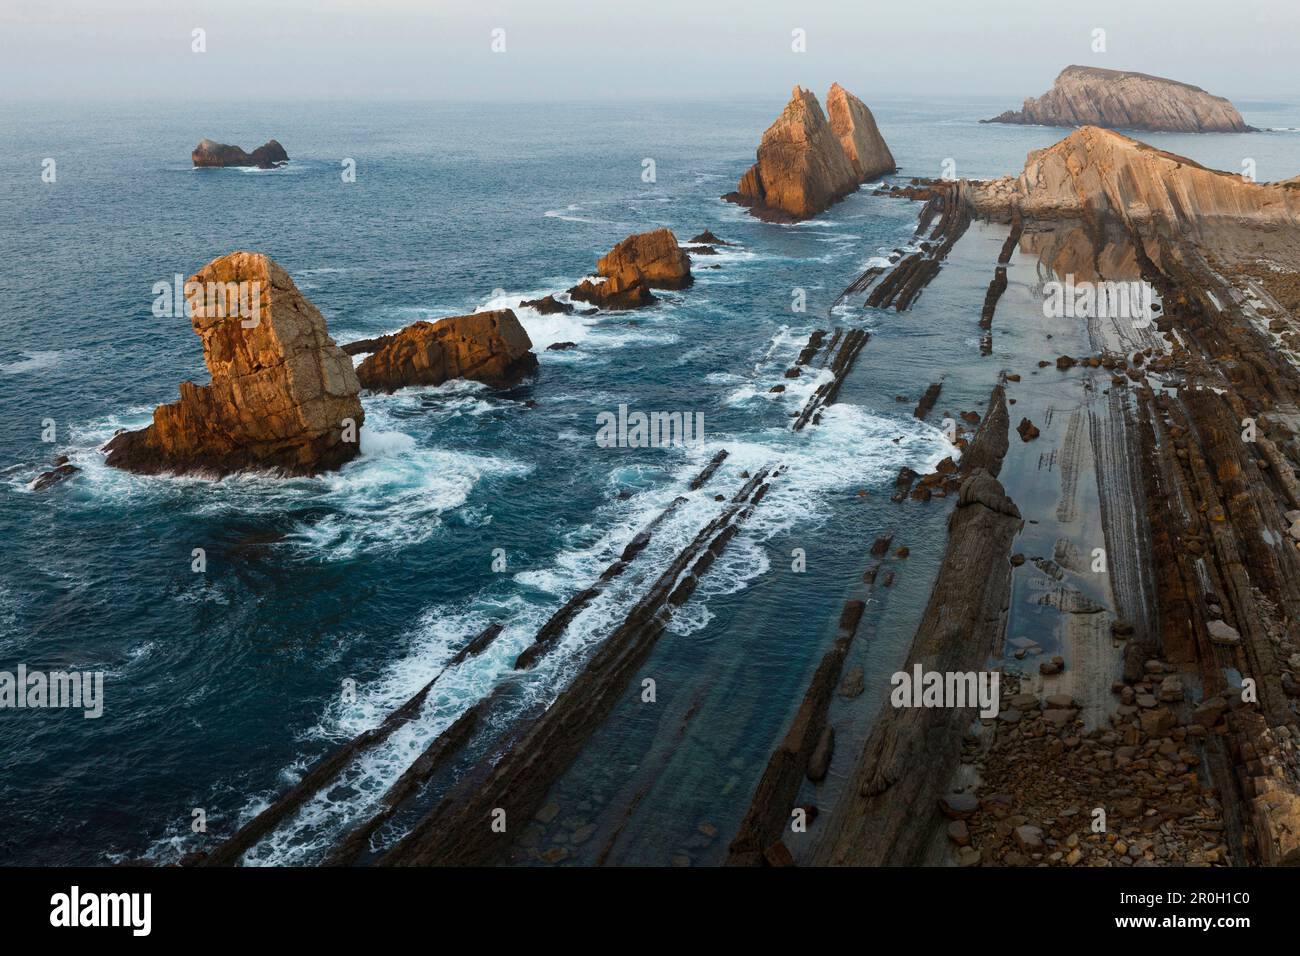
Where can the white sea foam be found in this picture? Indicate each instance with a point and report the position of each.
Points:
(848, 449)
(31, 362)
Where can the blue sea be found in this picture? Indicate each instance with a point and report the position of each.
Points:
(221, 687)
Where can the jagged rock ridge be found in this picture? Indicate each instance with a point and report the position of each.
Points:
(806, 162)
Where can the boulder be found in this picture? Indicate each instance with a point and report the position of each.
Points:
(653, 256)
(1121, 99)
(488, 347)
(283, 396)
(211, 153)
(615, 295)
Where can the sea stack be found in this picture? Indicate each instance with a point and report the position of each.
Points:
(487, 347)
(641, 262)
(211, 153)
(1119, 99)
(806, 163)
(283, 396)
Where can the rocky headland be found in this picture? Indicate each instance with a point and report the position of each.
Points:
(807, 162)
(1098, 176)
(488, 347)
(1120, 99)
(283, 396)
(211, 153)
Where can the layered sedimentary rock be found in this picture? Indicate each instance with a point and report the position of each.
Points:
(283, 396)
(806, 163)
(861, 141)
(487, 347)
(1119, 99)
(909, 755)
(632, 268)
(1095, 174)
(211, 153)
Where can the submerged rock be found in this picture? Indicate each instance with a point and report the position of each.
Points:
(487, 347)
(61, 471)
(211, 153)
(1121, 99)
(806, 163)
(283, 396)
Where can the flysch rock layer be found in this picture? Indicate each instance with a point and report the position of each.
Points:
(488, 347)
(283, 396)
(1094, 174)
(806, 162)
(1119, 99)
(211, 153)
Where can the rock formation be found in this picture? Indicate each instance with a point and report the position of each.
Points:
(1095, 173)
(654, 256)
(856, 128)
(283, 396)
(806, 163)
(1119, 99)
(487, 347)
(212, 153)
(640, 262)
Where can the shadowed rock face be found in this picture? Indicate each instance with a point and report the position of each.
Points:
(1117, 99)
(283, 396)
(211, 153)
(806, 163)
(487, 347)
(1095, 173)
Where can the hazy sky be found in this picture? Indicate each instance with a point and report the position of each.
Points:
(647, 49)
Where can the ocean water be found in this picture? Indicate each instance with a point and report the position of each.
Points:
(221, 687)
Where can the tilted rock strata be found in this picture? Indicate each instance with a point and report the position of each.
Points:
(487, 347)
(1095, 173)
(861, 141)
(805, 163)
(1118, 99)
(211, 153)
(283, 396)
